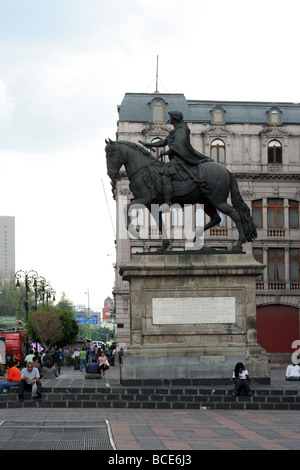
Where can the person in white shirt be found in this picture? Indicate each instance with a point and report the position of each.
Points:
(29, 376)
(241, 379)
(292, 372)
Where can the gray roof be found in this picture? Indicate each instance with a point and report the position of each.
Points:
(138, 107)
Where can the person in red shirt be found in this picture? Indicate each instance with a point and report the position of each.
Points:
(13, 379)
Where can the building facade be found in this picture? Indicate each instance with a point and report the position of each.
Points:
(259, 142)
(7, 247)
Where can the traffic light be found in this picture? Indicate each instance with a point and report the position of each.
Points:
(19, 322)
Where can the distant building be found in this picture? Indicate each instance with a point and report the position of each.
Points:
(80, 308)
(259, 142)
(106, 312)
(7, 246)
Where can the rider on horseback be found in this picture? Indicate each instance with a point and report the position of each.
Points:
(184, 159)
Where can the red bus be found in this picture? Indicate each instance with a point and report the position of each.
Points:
(15, 343)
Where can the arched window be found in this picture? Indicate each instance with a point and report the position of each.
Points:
(274, 152)
(217, 150)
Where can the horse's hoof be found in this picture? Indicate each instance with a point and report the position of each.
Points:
(163, 247)
(237, 249)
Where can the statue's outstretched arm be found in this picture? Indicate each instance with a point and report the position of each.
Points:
(159, 143)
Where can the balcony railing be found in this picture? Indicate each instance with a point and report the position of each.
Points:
(294, 285)
(272, 285)
(276, 232)
(219, 232)
(278, 285)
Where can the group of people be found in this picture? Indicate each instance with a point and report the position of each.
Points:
(95, 360)
(27, 376)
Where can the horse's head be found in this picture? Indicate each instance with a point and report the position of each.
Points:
(114, 159)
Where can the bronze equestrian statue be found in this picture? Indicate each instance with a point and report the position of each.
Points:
(188, 178)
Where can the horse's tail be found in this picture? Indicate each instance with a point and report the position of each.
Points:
(243, 210)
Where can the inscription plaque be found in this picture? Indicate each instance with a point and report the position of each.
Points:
(190, 310)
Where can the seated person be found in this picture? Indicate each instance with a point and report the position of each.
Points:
(13, 361)
(29, 376)
(2, 370)
(13, 379)
(292, 372)
(241, 379)
(92, 370)
(37, 364)
(49, 370)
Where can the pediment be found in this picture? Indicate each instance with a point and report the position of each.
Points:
(218, 131)
(157, 100)
(274, 132)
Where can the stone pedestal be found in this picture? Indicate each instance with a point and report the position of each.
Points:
(193, 317)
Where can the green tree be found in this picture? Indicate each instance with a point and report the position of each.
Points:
(45, 326)
(52, 327)
(65, 304)
(70, 329)
(12, 299)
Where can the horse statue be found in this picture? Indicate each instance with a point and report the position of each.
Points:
(145, 176)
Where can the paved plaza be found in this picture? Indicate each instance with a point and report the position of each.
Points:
(176, 430)
(187, 430)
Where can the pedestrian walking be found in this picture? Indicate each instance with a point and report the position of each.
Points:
(103, 363)
(83, 356)
(57, 358)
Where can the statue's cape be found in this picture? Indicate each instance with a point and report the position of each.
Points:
(179, 142)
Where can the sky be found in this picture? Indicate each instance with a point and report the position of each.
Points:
(65, 66)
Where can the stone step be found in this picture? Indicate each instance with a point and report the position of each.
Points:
(264, 399)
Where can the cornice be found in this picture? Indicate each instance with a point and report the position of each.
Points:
(267, 176)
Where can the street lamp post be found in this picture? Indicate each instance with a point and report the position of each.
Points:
(30, 277)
